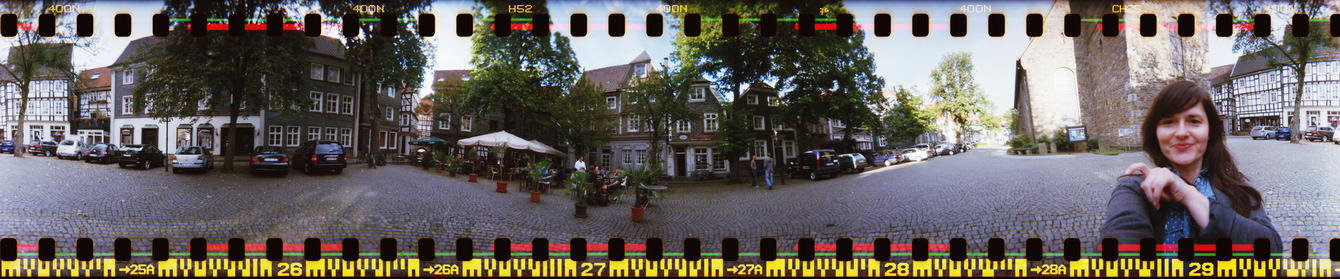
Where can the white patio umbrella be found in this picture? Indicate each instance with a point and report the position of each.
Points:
(496, 139)
(546, 149)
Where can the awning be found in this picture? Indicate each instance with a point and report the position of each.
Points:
(205, 126)
(239, 125)
(127, 126)
(183, 126)
(151, 126)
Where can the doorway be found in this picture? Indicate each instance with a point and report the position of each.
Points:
(246, 141)
(149, 136)
(681, 162)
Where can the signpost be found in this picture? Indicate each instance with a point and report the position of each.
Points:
(1078, 138)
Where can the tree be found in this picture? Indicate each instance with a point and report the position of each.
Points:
(521, 74)
(395, 62)
(581, 119)
(33, 57)
(659, 100)
(735, 134)
(222, 70)
(906, 119)
(1282, 47)
(955, 92)
(449, 97)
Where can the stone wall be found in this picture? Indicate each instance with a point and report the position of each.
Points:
(1119, 76)
(1051, 103)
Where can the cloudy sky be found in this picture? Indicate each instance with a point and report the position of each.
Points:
(900, 58)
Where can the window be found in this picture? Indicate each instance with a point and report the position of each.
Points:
(404, 120)
(759, 123)
(276, 136)
(718, 161)
(772, 101)
(753, 99)
(332, 103)
(126, 105)
(466, 122)
(330, 134)
(700, 159)
(391, 140)
(627, 157)
(348, 78)
(709, 122)
(776, 125)
(316, 101)
(445, 122)
(128, 77)
(318, 71)
(633, 123)
(333, 74)
(789, 146)
(612, 101)
(346, 137)
(381, 139)
(313, 133)
(642, 157)
(292, 138)
(203, 104)
(347, 105)
(698, 94)
(682, 126)
(836, 123)
(605, 158)
(760, 148)
(640, 69)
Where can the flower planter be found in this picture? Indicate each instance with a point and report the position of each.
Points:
(637, 213)
(473, 176)
(534, 196)
(502, 186)
(439, 169)
(581, 210)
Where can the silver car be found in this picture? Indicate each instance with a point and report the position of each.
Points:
(1263, 132)
(192, 157)
(72, 149)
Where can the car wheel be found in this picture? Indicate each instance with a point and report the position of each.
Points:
(121, 165)
(176, 170)
(888, 163)
(48, 153)
(339, 171)
(814, 176)
(833, 176)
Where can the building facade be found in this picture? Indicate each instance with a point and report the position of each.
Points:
(48, 111)
(94, 94)
(1263, 94)
(1046, 94)
(771, 135)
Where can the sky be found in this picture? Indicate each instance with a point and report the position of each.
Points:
(901, 59)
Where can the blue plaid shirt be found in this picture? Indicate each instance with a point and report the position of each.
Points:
(1177, 224)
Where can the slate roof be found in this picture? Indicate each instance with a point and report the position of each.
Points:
(609, 78)
(1220, 74)
(450, 75)
(326, 45)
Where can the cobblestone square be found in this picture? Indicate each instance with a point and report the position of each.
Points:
(977, 195)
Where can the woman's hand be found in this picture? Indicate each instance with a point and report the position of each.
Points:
(1162, 184)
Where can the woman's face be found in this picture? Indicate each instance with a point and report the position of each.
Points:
(1183, 136)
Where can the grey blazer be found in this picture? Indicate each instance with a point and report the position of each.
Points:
(1130, 218)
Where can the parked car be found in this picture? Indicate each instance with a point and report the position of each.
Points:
(192, 157)
(71, 149)
(851, 162)
(1319, 133)
(1263, 132)
(269, 159)
(914, 154)
(7, 146)
(1282, 133)
(887, 157)
(944, 149)
(817, 162)
(320, 155)
(45, 147)
(143, 155)
(103, 153)
(929, 149)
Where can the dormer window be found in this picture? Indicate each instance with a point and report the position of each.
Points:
(640, 70)
(96, 75)
(465, 78)
(698, 94)
(753, 99)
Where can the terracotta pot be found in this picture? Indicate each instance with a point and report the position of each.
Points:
(502, 186)
(637, 213)
(581, 211)
(473, 176)
(534, 196)
(439, 169)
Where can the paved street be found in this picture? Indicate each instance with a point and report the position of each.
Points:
(977, 195)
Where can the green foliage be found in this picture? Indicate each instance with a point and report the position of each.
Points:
(906, 119)
(1020, 141)
(518, 75)
(1092, 142)
(644, 176)
(734, 131)
(1062, 141)
(537, 170)
(581, 119)
(659, 100)
(449, 98)
(450, 163)
(581, 186)
(955, 92)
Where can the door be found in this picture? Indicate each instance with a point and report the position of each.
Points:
(149, 136)
(681, 163)
(246, 140)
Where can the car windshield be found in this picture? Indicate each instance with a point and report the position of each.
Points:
(189, 151)
(67, 142)
(827, 156)
(269, 150)
(134, 147)
(329, 149)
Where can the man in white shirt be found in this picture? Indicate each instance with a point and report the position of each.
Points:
(580, 165)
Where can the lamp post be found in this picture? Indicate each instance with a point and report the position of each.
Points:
(779, 169)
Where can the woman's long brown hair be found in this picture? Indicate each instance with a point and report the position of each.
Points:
(1222, 170)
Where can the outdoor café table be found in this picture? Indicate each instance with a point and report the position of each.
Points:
(652, 188)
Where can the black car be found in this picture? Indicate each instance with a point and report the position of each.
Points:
(320, 155)
(142, 155)
(269, 159)
(816, 162)
(47, 148)
(103, 153)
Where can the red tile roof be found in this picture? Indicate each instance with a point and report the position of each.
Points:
(97, 78)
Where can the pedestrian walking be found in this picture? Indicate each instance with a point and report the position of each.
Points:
(753, 170)
(767, 167)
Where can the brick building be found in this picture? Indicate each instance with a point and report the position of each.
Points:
(1046, 94)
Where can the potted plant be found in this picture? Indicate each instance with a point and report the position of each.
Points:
(500, 150)
(451, 163)
(471, 156)
(581, 184)
(439, 159)
(536, 174)
(639, 178)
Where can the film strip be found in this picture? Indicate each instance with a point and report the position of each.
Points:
(906, 255)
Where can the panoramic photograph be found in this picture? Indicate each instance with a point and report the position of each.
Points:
(669, 138)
